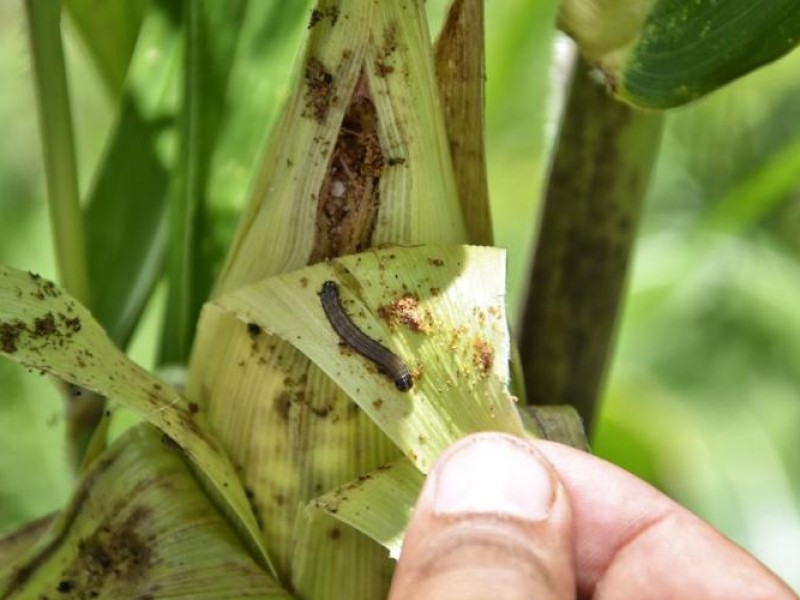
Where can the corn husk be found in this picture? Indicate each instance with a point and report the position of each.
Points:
(443, 309)
(365, 86)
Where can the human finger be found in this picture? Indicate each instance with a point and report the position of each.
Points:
(492, 521)
(632, 541)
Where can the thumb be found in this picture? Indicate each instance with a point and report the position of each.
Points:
(492, 521)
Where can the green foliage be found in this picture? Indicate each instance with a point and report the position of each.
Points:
(665, 53)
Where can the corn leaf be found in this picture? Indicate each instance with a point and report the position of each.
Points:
(442, 307)
(109, 30)
(665, 53)
(379, 504)
(325, 549)
(140, 526)
(460, 73)
(358, 157)
(18, 543)
(126, 218)
(42, 327)
(374, 56)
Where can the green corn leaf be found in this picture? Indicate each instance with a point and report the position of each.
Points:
(126, 223)
(109, 31)
(238, 58)
(665, 53)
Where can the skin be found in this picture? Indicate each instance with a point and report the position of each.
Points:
(500, 517)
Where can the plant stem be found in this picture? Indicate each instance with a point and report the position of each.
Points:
(58, 146)
(598, 179)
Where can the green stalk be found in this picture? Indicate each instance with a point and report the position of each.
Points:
(63, 198)
(58, 146)
(185, 204)
(598, 180)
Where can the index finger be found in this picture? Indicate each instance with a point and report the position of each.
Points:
(632, 541)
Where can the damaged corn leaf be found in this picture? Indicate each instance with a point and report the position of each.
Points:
(443, 309)
(378, 504)
(42, 327)
(665, 53)
(357, 158)
(139, 526)
(325, 548)
(19, 543)
(294, 433)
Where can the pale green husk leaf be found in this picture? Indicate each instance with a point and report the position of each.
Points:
(379, 504)
(440, 308)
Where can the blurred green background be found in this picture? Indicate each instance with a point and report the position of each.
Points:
(703, 397)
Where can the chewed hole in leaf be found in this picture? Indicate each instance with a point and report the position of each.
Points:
(348, 198)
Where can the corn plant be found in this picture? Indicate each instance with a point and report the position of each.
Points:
(353, 325)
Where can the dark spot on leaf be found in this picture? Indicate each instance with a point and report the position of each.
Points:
(45, 325)
(321, 412)
(73, 324)
(384, 69)
(483, 355)
(253, 330)
(9, 334)
(319, 95)
(169, 442)
(282, 404)
(331, 13)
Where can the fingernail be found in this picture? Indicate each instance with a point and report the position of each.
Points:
(493, 474)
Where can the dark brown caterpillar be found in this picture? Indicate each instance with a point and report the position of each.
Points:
(386, 360)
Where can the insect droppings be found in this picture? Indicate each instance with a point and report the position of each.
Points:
(386, 360)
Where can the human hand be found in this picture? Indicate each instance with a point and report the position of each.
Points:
(500, 517)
